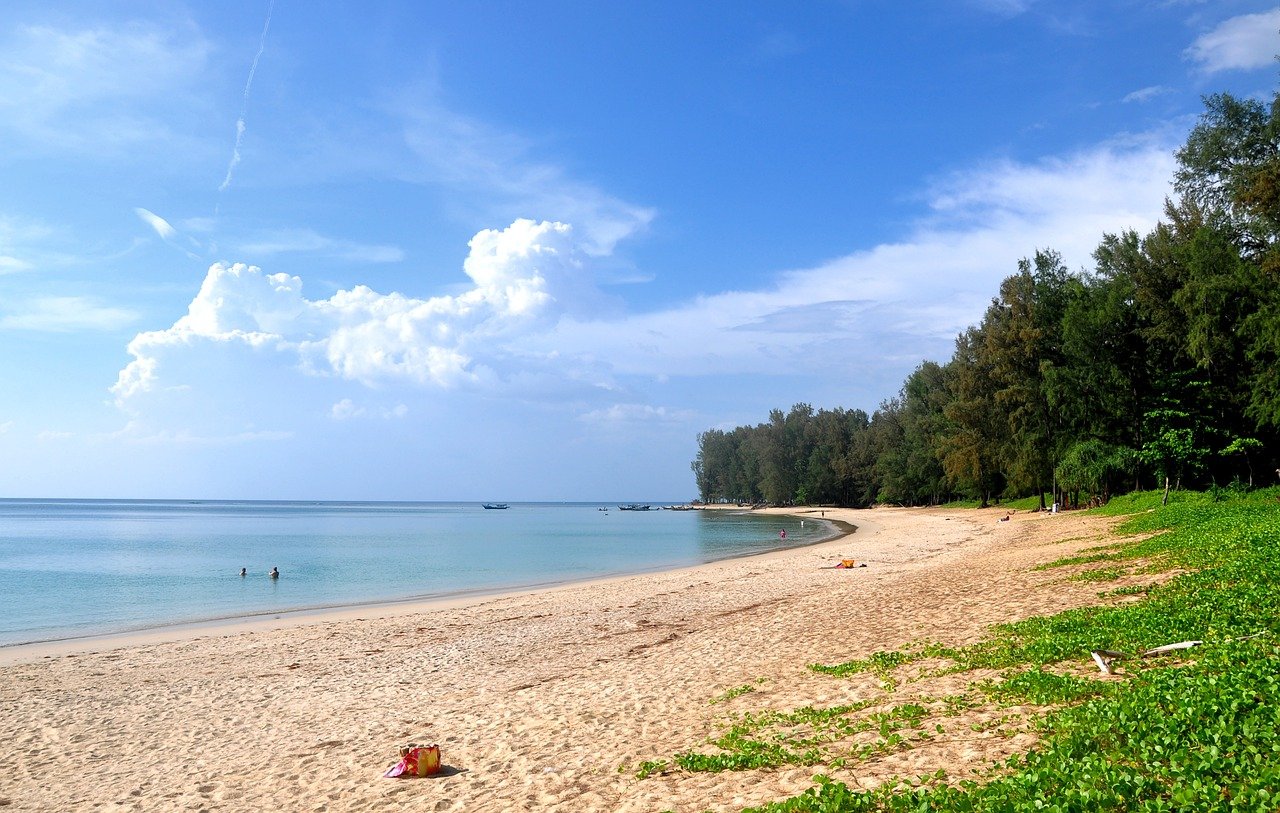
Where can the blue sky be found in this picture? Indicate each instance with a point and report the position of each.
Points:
(515, 251)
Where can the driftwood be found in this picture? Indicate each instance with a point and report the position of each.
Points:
(1167, 648)
(1105, 657)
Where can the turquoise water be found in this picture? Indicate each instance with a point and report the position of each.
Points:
(70, 568)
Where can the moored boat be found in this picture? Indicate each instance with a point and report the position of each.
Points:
(495, 505)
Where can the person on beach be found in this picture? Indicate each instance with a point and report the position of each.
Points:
(244, 571)
(275, 573)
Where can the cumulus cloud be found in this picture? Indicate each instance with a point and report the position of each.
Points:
(529, 325)
(523, 277)
(1247, 42)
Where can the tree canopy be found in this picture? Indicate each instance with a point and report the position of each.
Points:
(1160, 365)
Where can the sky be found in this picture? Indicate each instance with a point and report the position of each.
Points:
(405, 250)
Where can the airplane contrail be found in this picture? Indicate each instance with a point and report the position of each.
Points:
(244, 105)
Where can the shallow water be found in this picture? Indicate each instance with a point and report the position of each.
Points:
(81, 567)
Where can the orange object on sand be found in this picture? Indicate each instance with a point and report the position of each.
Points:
(416, 760)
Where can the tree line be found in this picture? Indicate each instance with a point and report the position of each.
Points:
(1160, 367)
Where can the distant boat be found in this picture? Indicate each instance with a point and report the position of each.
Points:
(602, 509)
(635, 506)
(495, 505)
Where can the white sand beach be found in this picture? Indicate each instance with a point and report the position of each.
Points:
(544, 700)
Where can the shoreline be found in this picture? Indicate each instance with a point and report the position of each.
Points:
(547, 700)
(94, 642)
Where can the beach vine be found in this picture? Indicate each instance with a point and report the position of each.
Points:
(1194, 730)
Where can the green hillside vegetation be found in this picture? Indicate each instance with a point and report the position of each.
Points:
(1160, 368)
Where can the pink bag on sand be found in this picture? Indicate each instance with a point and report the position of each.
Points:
(416, 760)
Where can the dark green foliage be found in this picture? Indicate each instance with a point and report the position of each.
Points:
(1093, 467)
(1165, 357)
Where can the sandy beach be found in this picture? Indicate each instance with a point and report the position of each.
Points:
(544, 700)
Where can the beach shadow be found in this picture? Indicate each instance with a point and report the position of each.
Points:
(445, 771)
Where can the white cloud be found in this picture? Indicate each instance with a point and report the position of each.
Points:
(346, 409)
(1146, 94)
(9, 265)
(20, 236)
(637, 414)
(500, 168)
(308, 241)
(885, 308)
(523, 278)
(64, 314)
(156, 222)
(248, 86)
(97, 89)
(530, 327)
(1247, 42)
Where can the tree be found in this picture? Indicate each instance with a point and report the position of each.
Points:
(1022, 332)
(908, 429)
(1093, 467)
(1231, 165)
(1243, 447)
(1172, 446)
(975, 426)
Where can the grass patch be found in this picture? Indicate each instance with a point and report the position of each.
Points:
(1101, 574)
(1201, 737)
(1196, 733)
(736, 691)
(1083, 559)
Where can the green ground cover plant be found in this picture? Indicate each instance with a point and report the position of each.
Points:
(1198, 732)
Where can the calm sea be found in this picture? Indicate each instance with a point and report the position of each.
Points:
(70, 568)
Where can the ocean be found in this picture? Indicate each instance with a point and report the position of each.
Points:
(72, 568)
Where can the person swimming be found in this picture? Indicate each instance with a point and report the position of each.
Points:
(275, 573)
(244, 571)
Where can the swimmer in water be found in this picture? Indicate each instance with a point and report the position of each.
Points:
(244, 571)
(275, 573)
